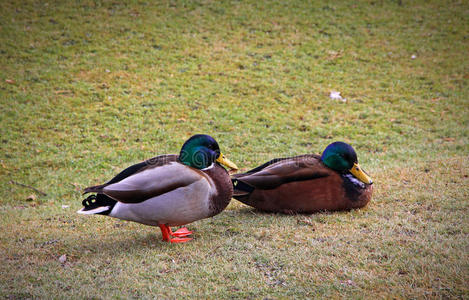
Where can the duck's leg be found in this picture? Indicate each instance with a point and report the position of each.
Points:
(167, 233)
(164, 232)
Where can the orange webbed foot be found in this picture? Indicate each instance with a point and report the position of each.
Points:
(181, 232)
(179, 235)
(179, 240)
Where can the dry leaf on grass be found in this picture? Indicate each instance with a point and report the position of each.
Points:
(336, 96)
(31, 197)
(63, 258)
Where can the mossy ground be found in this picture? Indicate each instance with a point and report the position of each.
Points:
(90, 87)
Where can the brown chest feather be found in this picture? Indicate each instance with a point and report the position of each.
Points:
(224, 189)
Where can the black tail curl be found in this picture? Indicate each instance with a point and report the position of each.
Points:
(98, 200)
(89, 201)
(240, 188)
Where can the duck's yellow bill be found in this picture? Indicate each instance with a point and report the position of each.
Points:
(359, 174)
(226, 162)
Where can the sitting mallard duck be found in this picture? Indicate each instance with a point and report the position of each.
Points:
(168, 190)
(306, 183)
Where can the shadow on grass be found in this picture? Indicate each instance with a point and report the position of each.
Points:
(254, 212)
(114, 242)
(127, 237)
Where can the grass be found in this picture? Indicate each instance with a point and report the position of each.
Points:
(88, 88)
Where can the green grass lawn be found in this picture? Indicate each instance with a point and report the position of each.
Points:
(88, 88)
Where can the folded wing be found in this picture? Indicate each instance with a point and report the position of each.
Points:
(152, 182)
(278, 172)
(134, 169)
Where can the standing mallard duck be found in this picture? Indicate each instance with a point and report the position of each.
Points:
(306, 183)
(168, 190)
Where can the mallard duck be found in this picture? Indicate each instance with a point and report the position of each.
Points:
(168, 190)
(306, 183)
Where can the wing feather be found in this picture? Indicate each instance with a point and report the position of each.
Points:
(152, 182)
(278, 172)
(134, 169)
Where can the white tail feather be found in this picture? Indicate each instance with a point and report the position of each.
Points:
(93, 211)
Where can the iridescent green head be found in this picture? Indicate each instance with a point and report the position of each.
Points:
(201, 151)
(341, 157)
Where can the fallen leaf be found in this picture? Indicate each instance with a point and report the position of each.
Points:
(31, 197)
(449, 139)
(63, 258)
(333, 55)
(10, 81)
(336, 96)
